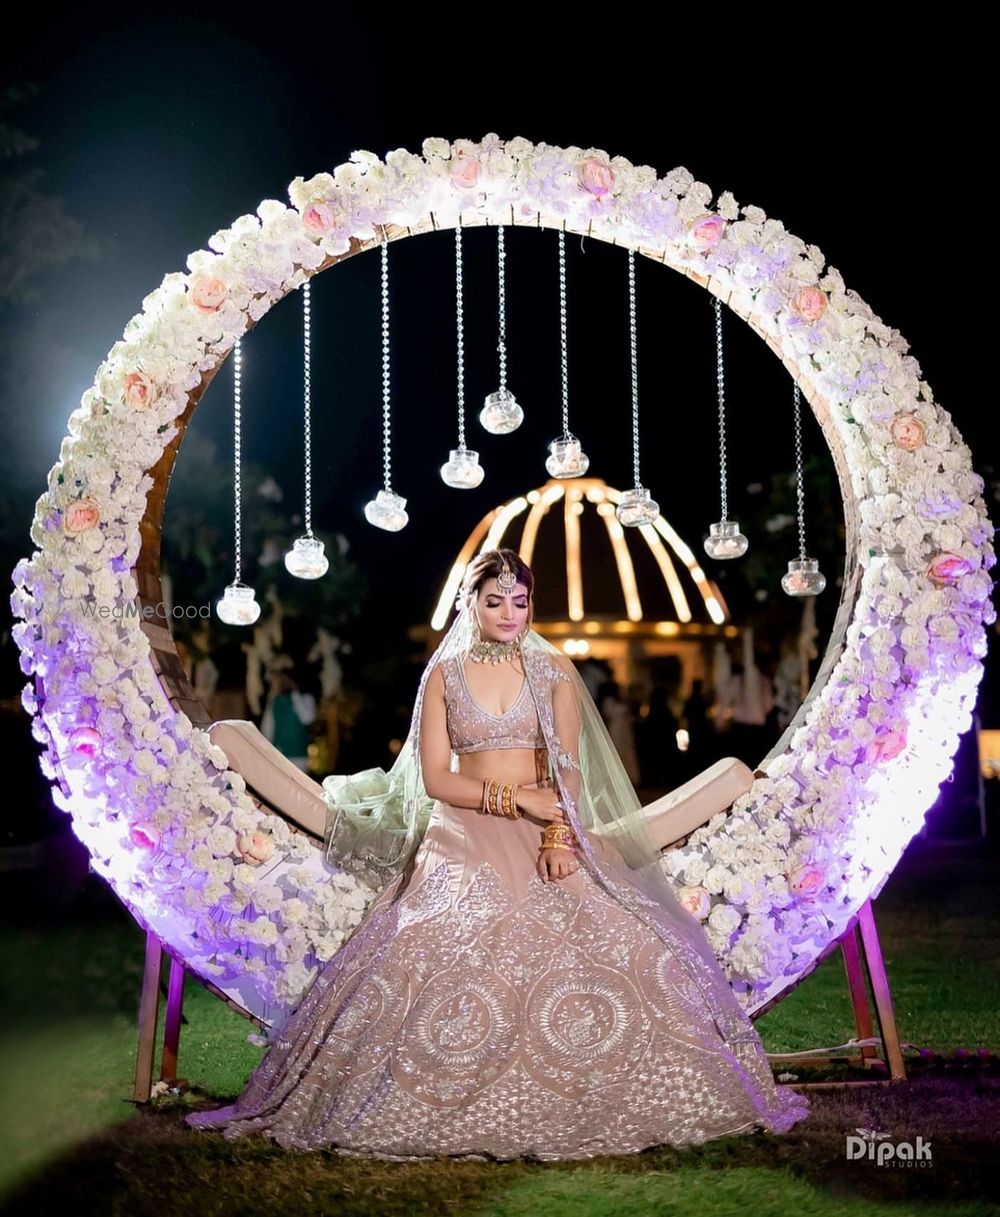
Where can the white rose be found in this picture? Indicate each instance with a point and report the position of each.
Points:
(723, 919)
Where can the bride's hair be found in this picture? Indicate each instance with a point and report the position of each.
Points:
(489, 564)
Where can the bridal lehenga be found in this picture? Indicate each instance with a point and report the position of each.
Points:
(481, 1012)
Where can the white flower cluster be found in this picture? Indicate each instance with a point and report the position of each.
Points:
(238, 892)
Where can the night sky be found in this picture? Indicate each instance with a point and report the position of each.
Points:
(156, 132)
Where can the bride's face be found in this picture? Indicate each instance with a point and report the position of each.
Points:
(502, 618)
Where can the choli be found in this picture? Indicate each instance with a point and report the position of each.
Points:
(473, 729)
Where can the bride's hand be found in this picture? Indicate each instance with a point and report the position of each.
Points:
(556, 863)
(541, 803)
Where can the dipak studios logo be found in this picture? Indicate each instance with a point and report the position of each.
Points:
(875, 1146)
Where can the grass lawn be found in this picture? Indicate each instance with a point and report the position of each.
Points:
(73, 1142)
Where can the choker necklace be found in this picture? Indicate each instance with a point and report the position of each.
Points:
(486, 650)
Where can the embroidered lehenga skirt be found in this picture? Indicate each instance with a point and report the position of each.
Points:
(482, 1012)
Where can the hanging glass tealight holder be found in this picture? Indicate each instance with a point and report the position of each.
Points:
(725, 540)
(566, 458)
(462, 471)
(307, 559)
(636, 508)
(386, 510)
(238, 605)
(804, 578)
(500, 413)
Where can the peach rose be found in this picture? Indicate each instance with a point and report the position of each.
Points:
(464, 171)
(907, 432)
(85, 741)
(80, 517)
(207, 294)
(809, 303)
(706, 231)
(140, 392)
(145, 835)
(256, 847)
(947, 567)
(695, 900)
(319, 218)
(885, 746)
(597, 176)
(806, 880)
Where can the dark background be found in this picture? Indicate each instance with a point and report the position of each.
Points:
(154, 131)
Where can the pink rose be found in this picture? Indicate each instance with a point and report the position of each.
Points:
(695, 900)
(907, 432)
(80, 517)
(319, 218)
(886, 746)
(464, 171)
(145, 835)
(85, 741)
(207, 294)
(140, 392)
(809, 303)
(597, 176)
(706, 231)
(256, 847)
(947, 567)
(806, 880)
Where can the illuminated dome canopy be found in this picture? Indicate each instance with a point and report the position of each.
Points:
(647, 576)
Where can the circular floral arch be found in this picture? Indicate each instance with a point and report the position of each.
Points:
(245, 899)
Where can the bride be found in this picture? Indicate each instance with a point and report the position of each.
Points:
(527, 983)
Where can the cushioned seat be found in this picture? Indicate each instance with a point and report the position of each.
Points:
(681, 811)
(296, 796)
(271, 775)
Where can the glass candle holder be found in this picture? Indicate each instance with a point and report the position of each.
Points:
(725, 540)
(500, 413)
(386, 510)
(307, 559)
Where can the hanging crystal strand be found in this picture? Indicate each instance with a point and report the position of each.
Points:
(803, 578)
(462, 470)
(386, 510)
(238, 605)
(306, 559)
(636, 507)
(724, 539)
(500, 413)
(566, 457)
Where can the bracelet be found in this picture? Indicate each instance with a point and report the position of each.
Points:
(500, 799)
(558, 836)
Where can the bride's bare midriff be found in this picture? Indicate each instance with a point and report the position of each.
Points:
(522, 766)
